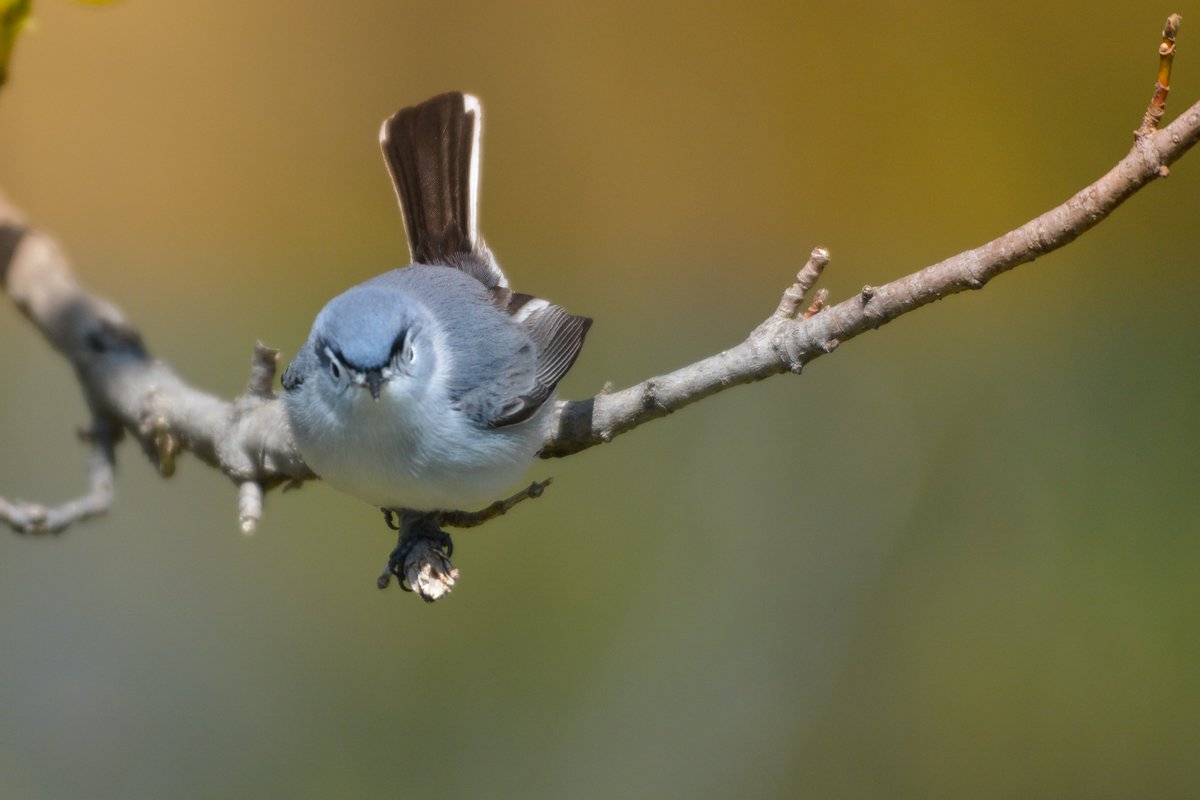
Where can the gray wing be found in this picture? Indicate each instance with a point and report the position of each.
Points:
(557, 337)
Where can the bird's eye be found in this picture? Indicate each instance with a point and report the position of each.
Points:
(335, 368)
(402, 350)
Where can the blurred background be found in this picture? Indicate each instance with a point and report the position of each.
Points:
(958, 558)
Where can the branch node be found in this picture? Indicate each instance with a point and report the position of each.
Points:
(650, 399)
(163, 445)
(866, 293)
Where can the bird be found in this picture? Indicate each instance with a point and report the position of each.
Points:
(431, 387)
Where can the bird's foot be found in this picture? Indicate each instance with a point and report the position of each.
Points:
(421, 559)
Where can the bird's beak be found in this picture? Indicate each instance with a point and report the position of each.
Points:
(374, 380)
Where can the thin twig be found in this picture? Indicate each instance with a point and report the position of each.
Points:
(471, 519)
(1166, 56)
(36, 519)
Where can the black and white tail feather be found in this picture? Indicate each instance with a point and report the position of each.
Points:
(432, 153)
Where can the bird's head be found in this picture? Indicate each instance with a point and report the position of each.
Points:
(372, 339)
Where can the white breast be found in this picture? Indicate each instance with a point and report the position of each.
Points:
(412, 450)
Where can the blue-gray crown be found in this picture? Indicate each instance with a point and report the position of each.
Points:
(364, 325)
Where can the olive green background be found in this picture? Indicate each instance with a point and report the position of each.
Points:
(958, 558)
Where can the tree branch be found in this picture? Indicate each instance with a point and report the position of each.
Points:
(248, 438)
(785, 344)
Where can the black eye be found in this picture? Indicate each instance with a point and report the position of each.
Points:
(335, 370)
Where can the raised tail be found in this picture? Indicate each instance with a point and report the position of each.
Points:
(432, 153)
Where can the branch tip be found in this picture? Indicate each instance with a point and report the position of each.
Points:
(1162, 85)
(806, 278)
(250, 505)
(262, 370)
(1171, 29)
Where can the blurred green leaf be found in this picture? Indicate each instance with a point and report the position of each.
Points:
(13, 16)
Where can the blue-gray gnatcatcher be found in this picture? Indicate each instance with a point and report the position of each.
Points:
(431, 387)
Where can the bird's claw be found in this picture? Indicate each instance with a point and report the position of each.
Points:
(413, 528)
